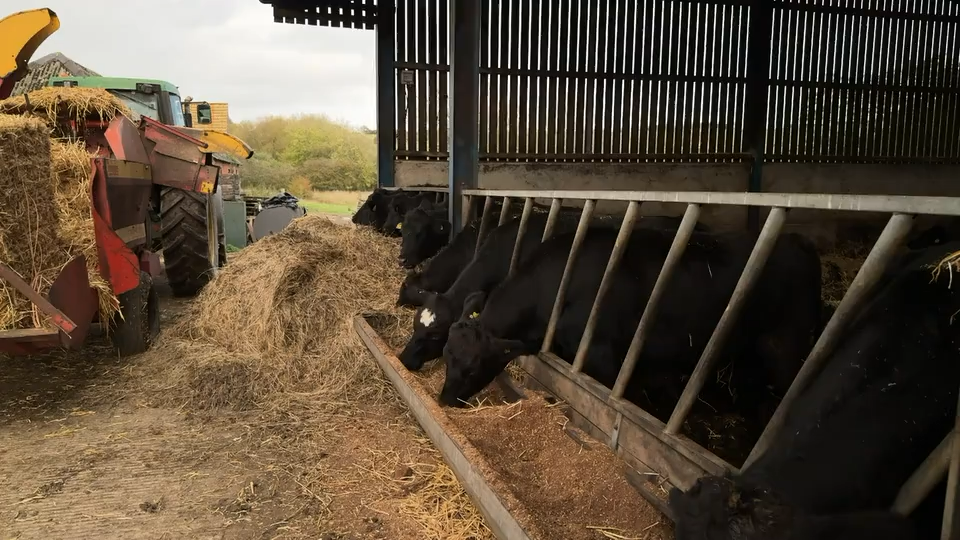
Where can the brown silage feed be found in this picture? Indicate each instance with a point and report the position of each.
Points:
(569, 490)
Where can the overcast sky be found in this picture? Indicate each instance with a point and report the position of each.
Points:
(220, 50)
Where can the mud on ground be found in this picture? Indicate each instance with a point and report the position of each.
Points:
(84, 455)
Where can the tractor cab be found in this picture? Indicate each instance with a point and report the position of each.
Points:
(158, 100)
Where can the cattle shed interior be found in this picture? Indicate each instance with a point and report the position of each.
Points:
(758, 115)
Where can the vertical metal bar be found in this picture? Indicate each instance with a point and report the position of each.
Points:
(567, 270)
(680, 241)
(484, 222)
(751, 272)
(466, 213)
(521, 231)
(950, 529)
(925, 478)
(551, 219)
(504, 212)
(870, 273)
(464, 101)
(213, 240)
(386, 93)
(619, 246)
(758, 60)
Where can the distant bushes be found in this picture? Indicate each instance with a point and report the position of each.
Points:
(304, 153)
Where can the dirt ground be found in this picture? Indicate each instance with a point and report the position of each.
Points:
(83, 455)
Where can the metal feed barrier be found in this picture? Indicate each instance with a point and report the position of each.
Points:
(641, 440)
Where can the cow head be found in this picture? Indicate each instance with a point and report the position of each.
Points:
(395, 215)
(431, 322)
(717, 508)
(367, 215)
(412, 292)
(423, 235)
(474, 357)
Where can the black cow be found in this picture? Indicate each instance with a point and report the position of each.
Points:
(440, 272)
(884, 399)
(373, 212)
(438, 311)
(399, 206)
(772, 336)
(424, 233)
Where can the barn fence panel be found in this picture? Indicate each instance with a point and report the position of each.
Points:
(658, 448)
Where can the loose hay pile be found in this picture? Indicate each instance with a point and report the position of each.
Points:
(45, 216)
(277, 321)
(53, 104)
(273, 333)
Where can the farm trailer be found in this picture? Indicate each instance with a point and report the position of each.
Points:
(132, 163)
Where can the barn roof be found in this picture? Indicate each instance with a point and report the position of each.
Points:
(52, 65)
(361, 14)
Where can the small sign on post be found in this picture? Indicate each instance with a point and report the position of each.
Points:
(406, 77)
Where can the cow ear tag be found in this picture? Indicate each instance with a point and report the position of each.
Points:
(474, 315)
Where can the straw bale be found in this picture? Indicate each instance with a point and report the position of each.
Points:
(277, 321)
(54, 104)
(28, 219)
(46, 219)
(70, 167)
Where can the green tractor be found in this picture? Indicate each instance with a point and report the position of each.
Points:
(180, 227)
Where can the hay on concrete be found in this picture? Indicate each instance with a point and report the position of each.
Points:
(277, 322)
(56, 104)
(46, 219)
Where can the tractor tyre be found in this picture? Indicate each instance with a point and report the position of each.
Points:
(138, 323)
(183, 217)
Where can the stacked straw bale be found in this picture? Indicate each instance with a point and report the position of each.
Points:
(45, 216)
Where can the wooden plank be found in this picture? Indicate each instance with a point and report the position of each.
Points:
(452, 444)
(484, 107)
(430, 26)
(411, 91)
(504, 106)
(523, 48)
(513, 61)
(496, 50)
(641, 439)
(402, 56)
(423, 90)
(542, 13)
(443, 57)
(560, 34)
(577, 122)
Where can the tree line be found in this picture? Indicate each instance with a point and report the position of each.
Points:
(307, 153)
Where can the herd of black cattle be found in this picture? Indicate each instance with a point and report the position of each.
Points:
(885, 399)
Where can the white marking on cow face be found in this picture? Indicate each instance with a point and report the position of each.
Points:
(427, 317)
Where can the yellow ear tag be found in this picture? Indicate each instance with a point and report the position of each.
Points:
(399, 226)
(474, 315)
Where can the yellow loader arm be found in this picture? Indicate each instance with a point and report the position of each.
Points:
(219, 141)
(20, 36)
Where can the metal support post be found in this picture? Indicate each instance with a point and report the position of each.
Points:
(870, 273)
(567, 270)
(521, 232)
(751, 273)
(464, 102)
(680, 241)
(619, 246)
(386, 92)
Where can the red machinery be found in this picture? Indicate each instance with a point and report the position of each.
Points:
(129, 161)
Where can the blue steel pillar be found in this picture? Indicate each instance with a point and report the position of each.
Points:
(386, 92)
(464, 100)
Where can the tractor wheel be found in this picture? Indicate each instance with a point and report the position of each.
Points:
(183, 216)
(138, 323)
